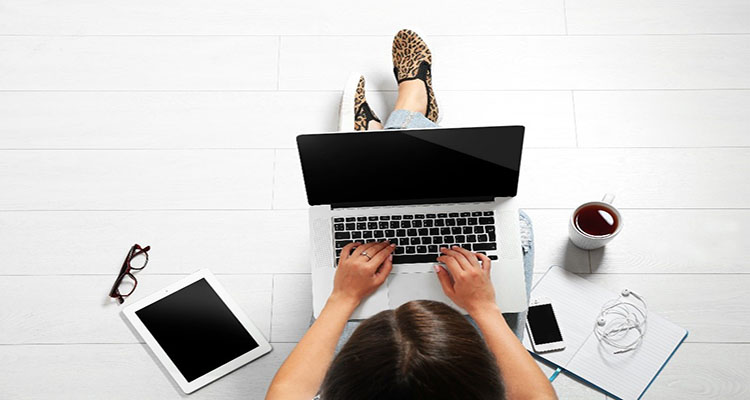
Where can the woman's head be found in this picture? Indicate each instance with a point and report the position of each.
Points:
(421, 350)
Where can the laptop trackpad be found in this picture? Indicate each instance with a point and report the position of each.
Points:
(405, 287)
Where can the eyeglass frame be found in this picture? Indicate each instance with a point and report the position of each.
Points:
(134, 251)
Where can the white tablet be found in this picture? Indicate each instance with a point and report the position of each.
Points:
(196, 330)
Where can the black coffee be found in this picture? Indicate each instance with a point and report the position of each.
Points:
(596, 220)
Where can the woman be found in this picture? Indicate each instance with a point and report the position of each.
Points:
(422, 349)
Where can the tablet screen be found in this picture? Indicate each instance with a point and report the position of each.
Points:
(196, 329)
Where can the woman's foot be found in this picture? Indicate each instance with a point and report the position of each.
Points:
(412, 63)
(355, 109)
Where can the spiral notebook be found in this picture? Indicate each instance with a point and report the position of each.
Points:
(577, 303)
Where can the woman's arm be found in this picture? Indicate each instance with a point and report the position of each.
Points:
(469, 286)
(300, 376)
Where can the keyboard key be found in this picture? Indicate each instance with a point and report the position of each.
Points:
(395, 224)
(361, 218)
(465, 214)
(482, 238)
(492, 236)
(448, 239)
(356, 235)
(489, 229)
(338, 219)
(460, 221)
(478, 229)
(445, 231)
(408, 217)
(471, 238)
(411, 249)
(450, 222)
(361, 226)
(485, 246)
(372, 225)
(411, 232)
(442, 215)
(372, 218)
(476, 214)
(437, 239)
(370, 240)
(367, 234)
(426, 240)
(383, 225)
(456, 230)
(428, 223)
(439, 222)
(395, 217)
(415, 241)
(466, 246)
(406, 224)
(390, 233)
(338, 227)
(492, 257)
(413, 258)
(421, 249)
(467, 230)
(423, 231)
(460, 239)
(403, 241)
(431, 216)
(400, 250)
(419, 216)
(338, 252)
(432, 248)
(400, 232)
(487, 220)
(434, 231)
(379, 234)
(488, 213)
(453, 215)
(385, 217)
(350, 226)
(342, 235)
(417, 224)
(471, 221)
(342, 243)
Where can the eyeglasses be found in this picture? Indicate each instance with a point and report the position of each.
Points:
(136, 260)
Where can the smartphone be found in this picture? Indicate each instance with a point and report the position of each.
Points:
(542, 326)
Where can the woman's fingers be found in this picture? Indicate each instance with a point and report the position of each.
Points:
(382, 274)
(346, 252)
(445, 281)
(486, 263)
(469, 256)
(367, 247)
(451, 264)
(462, 261)
(383, 252)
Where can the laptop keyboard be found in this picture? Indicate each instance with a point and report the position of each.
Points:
(418, 237)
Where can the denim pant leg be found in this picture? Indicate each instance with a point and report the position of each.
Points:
(403, 119)
(516, 321)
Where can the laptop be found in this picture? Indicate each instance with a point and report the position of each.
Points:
(421, 189)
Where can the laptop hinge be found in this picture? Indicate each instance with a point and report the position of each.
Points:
(386, 203)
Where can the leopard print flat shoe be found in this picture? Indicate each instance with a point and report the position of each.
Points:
(412, 59)
(354, 106)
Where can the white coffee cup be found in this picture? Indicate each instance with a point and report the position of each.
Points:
(588, 241)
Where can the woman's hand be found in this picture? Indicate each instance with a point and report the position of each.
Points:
(468, 283)
(357, 274)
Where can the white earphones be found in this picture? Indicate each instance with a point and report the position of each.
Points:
(616, 320)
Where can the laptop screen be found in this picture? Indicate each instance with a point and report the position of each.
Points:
(411, 166)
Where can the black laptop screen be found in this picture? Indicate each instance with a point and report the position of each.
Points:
(411, 166)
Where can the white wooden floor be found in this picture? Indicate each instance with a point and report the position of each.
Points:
(172, 124)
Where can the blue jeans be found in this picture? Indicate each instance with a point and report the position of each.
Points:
(402, 119)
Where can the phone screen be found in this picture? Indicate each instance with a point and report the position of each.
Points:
(543, 324)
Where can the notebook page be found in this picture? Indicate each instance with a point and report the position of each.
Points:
(577, 303)
(627, 375)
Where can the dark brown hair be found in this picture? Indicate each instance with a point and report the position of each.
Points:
(421, 350)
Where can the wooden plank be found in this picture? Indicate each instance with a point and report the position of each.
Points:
(113, 120)
(233, 242)
(663, 118)
(138, 63)
(528, 62)
(290, 17)
(135, 179)
(713, 308)
(677, 241)
(292, 307)
(662, 17)
(77, 309)
(704, 371)
(565, 178)
(89, 371)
